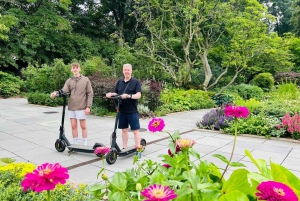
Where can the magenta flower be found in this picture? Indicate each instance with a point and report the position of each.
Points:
(166, 165)
(156, 124)
(236, 111)
(275, 191)
(101, 151)
(158, 193)
(45, 177)
(176, 151)
(278, 126)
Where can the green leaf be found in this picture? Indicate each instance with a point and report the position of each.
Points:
(193, 180)
(261, 165)
(120, 196)
(238, 181)
(222, 158)
(257, 177)
(119, 181)
(234, 196)
(237, 164)
(97, 187)
(194, 153)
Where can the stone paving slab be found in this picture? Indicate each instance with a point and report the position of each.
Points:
(28, 133)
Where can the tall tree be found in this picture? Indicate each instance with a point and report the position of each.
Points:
(181, 34)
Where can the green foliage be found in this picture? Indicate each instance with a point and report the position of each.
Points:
(254, 124)
(11, 190)
(222, 99)
(47, 78)
(9, 85)
(288, 91)
(263, 80)
(43, 99)
(177, 100)
(246, 91)
(95, 65)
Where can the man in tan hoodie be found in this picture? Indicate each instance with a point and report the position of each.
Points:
(80, 101)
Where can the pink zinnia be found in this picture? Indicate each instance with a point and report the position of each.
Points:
(166, 165)
(156, 124)
(158, 193)
(185, 143)
(45, 177)
(101, 151)
(236, 111)
(275, 191)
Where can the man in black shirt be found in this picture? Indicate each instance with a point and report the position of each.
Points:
(130, 90)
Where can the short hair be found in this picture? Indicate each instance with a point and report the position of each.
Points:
(75, 65)
(127, 65)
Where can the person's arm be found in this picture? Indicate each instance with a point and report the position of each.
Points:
(65, 89)
(134, 96)
(90, 94)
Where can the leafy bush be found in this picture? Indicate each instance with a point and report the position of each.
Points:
(264, 81)
(144, 111)
(177, 100)
(288, 91)
(9, 85)
(215, 120)
(11, 176)
(47, 78)
(246, 91)
(151, 94)
(95, 65)
(43, 99)
(222, 99)
(253, 105)
(255, 125)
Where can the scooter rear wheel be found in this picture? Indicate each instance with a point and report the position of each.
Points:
(111, 157)
(143, 142)
(60, 145)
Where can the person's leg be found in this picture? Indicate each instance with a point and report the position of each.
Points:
(84, 130)
(123, 124)
(125, 137)
(135, 126)
(74, 130)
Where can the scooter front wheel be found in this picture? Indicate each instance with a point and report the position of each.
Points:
(111, 157)
(60, 145)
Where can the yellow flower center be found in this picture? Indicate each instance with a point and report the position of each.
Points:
(279, 191)
(155, 124)
(158, 193)
(45, 171)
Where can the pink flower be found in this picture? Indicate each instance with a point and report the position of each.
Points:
(176, 151)
(158, 193)
(166, 165)
(45, 177)
(236, 111)
(156, 124)
(275, 191)
(278, 126)
(101, 151)
(185, 143)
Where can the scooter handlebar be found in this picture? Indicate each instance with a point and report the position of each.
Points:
(60, 93)
(116, 97)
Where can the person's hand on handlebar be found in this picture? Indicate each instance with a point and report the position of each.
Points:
(110, 94)
(53, 94)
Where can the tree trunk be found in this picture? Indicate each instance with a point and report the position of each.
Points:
(207, 69)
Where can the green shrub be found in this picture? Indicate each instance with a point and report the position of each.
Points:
(287, 91)
(9, 85)
(246, 91)
(47, 78)
(222, 99)
(95, 65)
(253, 105)
(264, 81)
(177, 100)
(43, 99)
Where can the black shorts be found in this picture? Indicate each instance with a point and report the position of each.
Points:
(131, 119)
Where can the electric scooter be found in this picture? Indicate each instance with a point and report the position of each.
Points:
(115, 150)
(62, 142)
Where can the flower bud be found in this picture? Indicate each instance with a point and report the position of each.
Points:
(138, 187)
(104, 176)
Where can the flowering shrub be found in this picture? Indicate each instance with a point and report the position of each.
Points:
(183, 176)
(215, 119)
(292, 125)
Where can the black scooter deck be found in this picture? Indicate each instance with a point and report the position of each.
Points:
(81, 148)
(127, 151)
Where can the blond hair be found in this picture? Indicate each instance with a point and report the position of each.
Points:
(75, 65)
